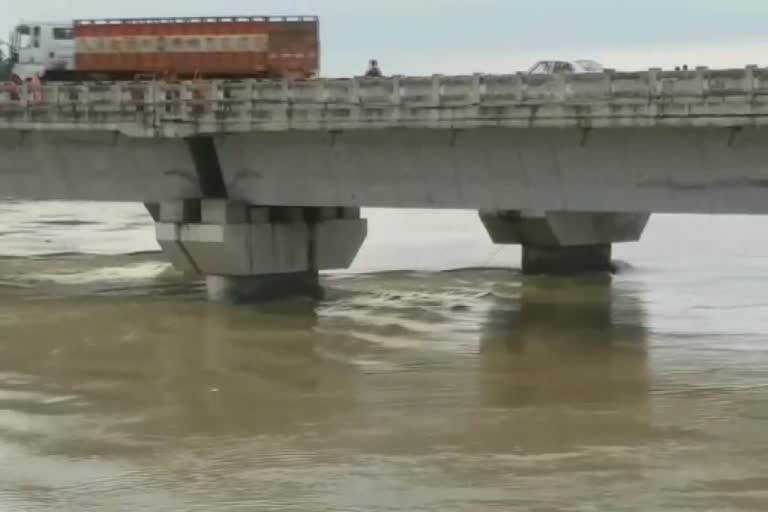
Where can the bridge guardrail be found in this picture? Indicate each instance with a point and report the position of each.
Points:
(221, 105)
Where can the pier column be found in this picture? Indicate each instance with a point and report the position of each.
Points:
(255, 253)
(563, 242)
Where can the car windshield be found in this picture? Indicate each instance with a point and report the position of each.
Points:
(590, 66)
(539, 68)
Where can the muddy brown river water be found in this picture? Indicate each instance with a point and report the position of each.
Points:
(433, 377)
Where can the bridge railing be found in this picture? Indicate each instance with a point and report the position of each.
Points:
(90, 103)
(148, 105)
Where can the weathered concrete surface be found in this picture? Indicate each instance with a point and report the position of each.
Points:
(168, 237)
(153, 209)
(244, 250)
(652, 98)
(255, 249)
(629, 170)
(184, 211)
(97, 166)
(668, 142)
(558, 229)
(564, 243)
(248, 249)
(668, 170)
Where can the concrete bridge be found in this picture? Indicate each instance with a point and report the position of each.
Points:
(258, 185)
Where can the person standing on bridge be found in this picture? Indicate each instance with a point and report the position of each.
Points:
(37, 89)
(373, 70)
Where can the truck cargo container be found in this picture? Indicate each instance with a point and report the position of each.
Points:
(222, 47)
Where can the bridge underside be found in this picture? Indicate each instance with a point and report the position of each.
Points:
(685, 170)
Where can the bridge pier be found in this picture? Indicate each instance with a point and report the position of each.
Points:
(564, 242)
(256, 253)
(567, 260)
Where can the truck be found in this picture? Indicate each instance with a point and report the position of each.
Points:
(265, 47)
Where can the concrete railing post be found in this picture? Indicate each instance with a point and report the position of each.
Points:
(654, 85)
(749, 82)
(702, 81)
(476, 94)
(520, 87)
(436, 90)
(396, 96)
(153, 101)
(396, 100)
(608, 84)
(563, 89)
(25, 100)
(84, 103)
(116, 100)
(355, 97)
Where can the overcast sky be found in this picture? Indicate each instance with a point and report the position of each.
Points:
(457, 36)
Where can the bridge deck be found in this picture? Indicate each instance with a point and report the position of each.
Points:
(653, 98)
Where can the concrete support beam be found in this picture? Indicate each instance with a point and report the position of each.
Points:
(169, 238)
(223, 211)
(154, 210)
(256, 253)
(179, 212)
(563, 242)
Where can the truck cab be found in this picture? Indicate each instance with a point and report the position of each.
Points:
(39, 47)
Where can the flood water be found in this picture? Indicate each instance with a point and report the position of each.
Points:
(433, 377)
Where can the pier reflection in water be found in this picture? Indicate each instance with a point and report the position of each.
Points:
(559, 353)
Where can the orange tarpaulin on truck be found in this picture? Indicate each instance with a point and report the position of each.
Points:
(248, 46)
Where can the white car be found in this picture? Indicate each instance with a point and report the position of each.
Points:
(547, 67)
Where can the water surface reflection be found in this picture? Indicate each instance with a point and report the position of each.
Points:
(467, 390)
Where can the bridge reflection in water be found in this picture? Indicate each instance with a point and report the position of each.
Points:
(432, 391)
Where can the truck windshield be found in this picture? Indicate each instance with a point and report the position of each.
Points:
(22, 37)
